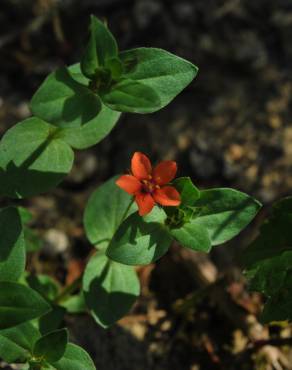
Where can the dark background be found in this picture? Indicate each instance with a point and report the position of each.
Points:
(230, 127)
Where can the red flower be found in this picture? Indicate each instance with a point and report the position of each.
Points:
(148, 185)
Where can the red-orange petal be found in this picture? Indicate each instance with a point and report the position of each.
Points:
(167, 196)
(141, 166)
(164, 172)
(129, 183)
(145, 203)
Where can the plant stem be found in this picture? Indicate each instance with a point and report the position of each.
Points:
(127, 210)
(68, 290)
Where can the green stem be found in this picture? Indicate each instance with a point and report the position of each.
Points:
(68, 290)
(127, 210)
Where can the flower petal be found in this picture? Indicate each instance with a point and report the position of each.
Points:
(141, 166)
(167, 196)
(129, 183)
(164, 172)
(145, 203)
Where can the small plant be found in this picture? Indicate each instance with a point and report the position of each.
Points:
(75, 108)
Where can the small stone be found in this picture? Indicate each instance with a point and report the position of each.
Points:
(235, 152)
(55, 242)
(22, 110)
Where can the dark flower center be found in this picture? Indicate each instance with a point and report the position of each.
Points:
(149, 186)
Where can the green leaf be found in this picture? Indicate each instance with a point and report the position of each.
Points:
(32, 159)
(45, 285)
(116, 68)
(101, 47)
(192, 235)
(106, 209)
(131, 96)
(224, 212)
(25, 215)
(93, 132)
(12, 247)
(19, 303)
(52, 320)
(140, 241)
(64, 102)
(74, 304)
(160, 70)
(279, 305)
(273, 278)
(52, 346)
(32, 241)
(110, 289)
(188, 191)
(77, 75)
(209, 217)
(16, 343)
(275, 235)
(75, 358)
(268, 261)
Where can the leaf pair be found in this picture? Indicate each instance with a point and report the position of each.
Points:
(35, 156)
(24, 344)
(139, 81)
(213, 216)
(21, 341)
(33, 159)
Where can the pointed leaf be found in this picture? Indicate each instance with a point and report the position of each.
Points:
(32, 159)
(165, 73)
(16, 343)
(32, 241)
(188, 191)
(75, 358)
(110, 289)
(75, 304)
(140, 241)
(64, 102)
(45, 285)
(52, 320)
(224, 212)
(19, 303)
(12, 247)
(93, 132)
(51, 346)
(192, 235)
(131, 96)
(101, 47)
(106, 209)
